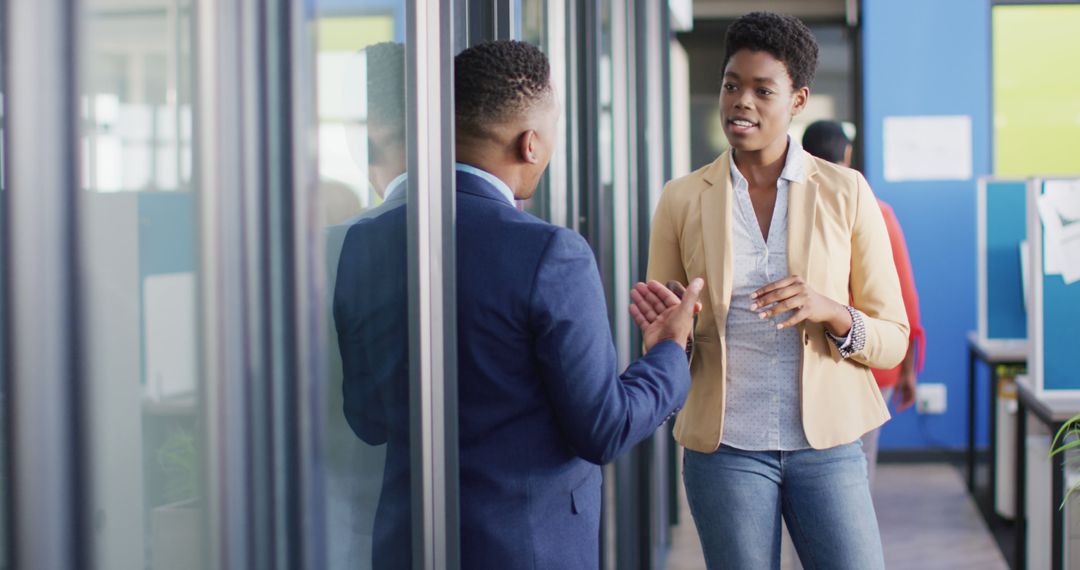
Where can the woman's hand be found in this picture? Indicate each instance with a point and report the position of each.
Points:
(793, 294)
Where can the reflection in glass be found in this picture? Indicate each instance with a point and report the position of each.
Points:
(543, 24)
(3, 315)
(534, 31)
(362, 163)
(137, 237)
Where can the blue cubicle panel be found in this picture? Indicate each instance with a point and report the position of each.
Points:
(1002, 225)
(166, 232)
(1061, 334)
(1056, 325)
(166, 244)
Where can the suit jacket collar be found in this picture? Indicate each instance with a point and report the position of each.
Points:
(469, 183)
(716, 204)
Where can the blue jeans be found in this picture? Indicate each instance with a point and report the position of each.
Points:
(737, 498)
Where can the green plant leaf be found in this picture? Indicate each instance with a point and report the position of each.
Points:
(1065, 447)
(1070, 424)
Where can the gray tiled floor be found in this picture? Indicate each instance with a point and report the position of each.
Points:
(927, 521)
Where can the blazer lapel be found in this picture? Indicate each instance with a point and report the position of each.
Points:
(802, 215)
(716, 235)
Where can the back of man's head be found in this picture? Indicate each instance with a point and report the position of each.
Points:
(506, 112)
(497, 82)
(385, 113)
(826, 140)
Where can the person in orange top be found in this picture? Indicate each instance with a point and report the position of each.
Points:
(826, 140)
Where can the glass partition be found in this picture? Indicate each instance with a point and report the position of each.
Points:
(137, 240)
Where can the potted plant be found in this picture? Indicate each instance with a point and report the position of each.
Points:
(1065, 439)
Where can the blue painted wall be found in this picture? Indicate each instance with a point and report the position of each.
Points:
(927, 57)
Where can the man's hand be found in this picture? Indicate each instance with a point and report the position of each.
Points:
(662, 315)
(652, 300)
(680, 291)
(794, 294)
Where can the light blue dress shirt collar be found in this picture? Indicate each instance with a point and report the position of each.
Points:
(490, 178)
(794, 164)
(396, 185)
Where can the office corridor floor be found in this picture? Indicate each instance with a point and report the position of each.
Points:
(927, 521)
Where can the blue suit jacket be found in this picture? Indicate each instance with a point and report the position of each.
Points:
(541, 402)
(370, 305)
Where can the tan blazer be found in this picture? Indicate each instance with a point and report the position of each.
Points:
(838, 243)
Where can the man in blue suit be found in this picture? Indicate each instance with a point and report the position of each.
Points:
(541, 402)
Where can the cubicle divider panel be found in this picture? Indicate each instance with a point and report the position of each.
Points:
(1002, 226)
(1054, 325)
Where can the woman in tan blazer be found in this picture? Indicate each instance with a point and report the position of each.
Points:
(802, 300)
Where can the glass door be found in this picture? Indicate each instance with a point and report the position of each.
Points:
(360, 66)
(386, 410)
(138, 232)
(5, 447)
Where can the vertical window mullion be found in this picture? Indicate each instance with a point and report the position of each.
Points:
(431, 281)
(40, 289)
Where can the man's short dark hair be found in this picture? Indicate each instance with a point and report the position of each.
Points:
(386, 88)
(495, 81)
(385, 102)
(826, 140)
(784, 37)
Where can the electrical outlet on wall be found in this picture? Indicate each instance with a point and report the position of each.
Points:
(930, 398)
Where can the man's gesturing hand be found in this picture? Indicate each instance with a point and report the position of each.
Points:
(662, 315)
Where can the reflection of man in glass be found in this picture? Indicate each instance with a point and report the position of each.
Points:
(386, 119)
(371, 316)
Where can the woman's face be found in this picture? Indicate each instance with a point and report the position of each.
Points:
(758, 100)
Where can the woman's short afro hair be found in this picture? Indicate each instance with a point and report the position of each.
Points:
(784, 37)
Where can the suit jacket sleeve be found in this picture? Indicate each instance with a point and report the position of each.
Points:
(371, 335)
(875, 287)
(602, 414)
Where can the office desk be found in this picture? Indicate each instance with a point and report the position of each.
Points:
(1052, 412)
(992, 353)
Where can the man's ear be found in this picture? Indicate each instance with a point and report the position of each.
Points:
(527, 147)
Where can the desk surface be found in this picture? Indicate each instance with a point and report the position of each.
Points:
(996, 351)
(1049, 408)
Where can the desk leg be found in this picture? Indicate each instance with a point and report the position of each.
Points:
(994, 380)
(1057, 496)
(1020, 550)
(971, 422)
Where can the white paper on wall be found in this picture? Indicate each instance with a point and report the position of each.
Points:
(1059, 209)
(169, 326)
(927, 148)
